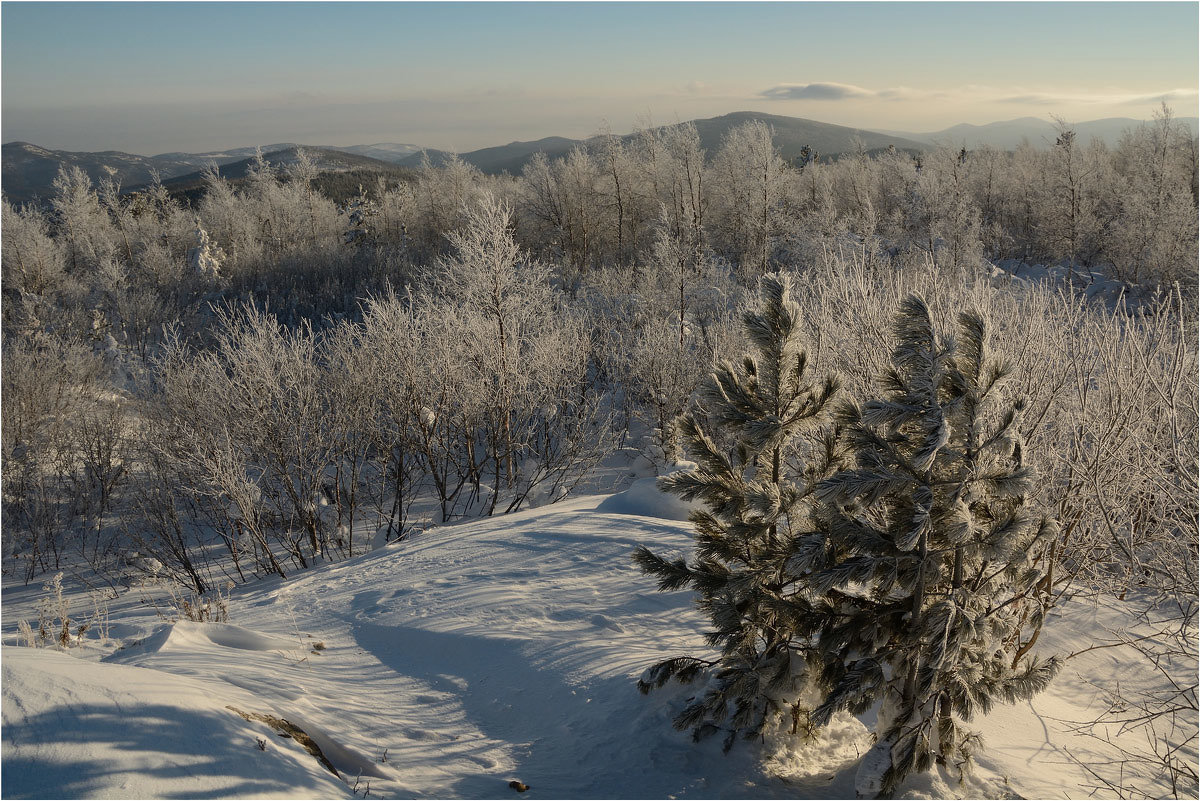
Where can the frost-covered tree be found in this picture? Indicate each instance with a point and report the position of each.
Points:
(563, 208)
(228, 222)
(660, 372)
(205, 258)
(488, 276)
(936, 551)
(523, 360)
(441, 195)
(758, 501)
(941, 214)
(854, 187)
(82, 225)
(361, 219)
(751, 178)
(618, 187)
(577, 178)
(674, 166)
(1155, 234)
(1073, 214)
(32, 261)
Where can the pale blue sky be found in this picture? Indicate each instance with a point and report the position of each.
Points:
(155, 77)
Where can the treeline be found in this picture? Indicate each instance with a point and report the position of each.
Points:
(246, 385)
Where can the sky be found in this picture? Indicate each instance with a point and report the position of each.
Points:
(151, 78)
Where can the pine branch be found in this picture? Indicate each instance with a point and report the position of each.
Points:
(672, 575)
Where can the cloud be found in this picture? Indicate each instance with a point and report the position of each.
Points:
(1108, 99)
(1033, 100)
(847, 91)
(1173, 95)
(817, 91)
(829, 91)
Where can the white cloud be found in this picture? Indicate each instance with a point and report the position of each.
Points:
(1111, 99)
(830, 91)
(817, 91)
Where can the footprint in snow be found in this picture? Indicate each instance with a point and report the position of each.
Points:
(457, 682)
(420, 734)
(600, 621)
(427, 699)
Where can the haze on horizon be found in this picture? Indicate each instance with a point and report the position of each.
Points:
(150, 78)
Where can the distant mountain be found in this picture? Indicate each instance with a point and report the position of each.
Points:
(791, 134)
(327, 160)
(384, 151)
(510, 158)
(28, 171)
(1008, 134)
(199, 160)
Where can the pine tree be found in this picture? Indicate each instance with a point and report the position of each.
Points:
(361, 214)
(206, 257)
(758, 495)
(935, 551)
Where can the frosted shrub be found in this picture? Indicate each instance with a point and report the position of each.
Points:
(522, 360)
(54, 620)
(935, 572)
(748, 203)
(257, 409)
(32, 261)
(755, 478)
(62, 443)
(206, 257)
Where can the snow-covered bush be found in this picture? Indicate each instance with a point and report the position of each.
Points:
(54, 623)
(63, 451)
(755, 478)
(936, 552)
(524, 360)
(255, 414)
(206, 257)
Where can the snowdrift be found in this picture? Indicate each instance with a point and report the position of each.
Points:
(74, 729)
(451, 664)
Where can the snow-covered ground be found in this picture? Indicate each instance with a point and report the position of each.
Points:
(451, 664)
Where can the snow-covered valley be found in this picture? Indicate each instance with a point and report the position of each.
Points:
(474, 655)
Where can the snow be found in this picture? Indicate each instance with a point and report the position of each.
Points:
(645, 499)
(453, 663)
(76, 729)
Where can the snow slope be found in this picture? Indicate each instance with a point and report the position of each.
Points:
(76, 729)
(446, 666)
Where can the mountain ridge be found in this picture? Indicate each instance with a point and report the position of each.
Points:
(29, 169)
(791, 135)
(1009, 134)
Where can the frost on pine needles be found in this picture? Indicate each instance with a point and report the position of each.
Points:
(893, 562)
(755, 439)
(937, 553)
